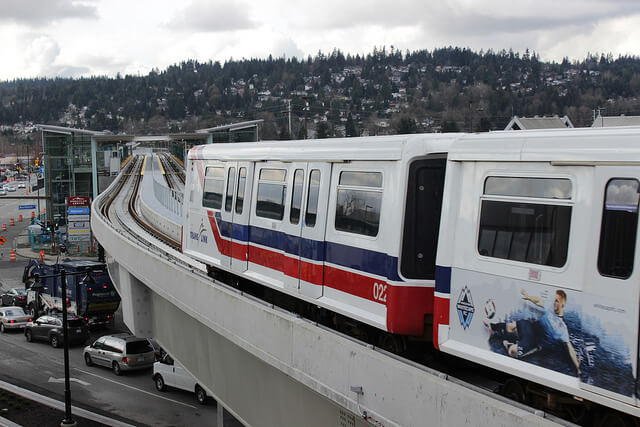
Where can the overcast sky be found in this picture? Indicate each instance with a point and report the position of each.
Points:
(103, 37)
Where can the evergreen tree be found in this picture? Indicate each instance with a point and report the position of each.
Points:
(322, 130)
(350, 127)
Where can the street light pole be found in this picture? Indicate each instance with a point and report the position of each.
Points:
(68, 418)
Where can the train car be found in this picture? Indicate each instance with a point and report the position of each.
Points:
(349, 225)
(536, 261)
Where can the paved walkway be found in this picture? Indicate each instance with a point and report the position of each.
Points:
(46, 400)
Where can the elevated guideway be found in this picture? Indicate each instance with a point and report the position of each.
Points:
(272, 368)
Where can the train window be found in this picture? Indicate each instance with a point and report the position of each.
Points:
(528, 232)
(312, 198)
(359, 202)
(213, 187)
(231, 179)
(273, 174)
(619, 228)
(271, 193)
(537, 233)
(242, 181)
(296, 196)
(543, 188)
(422, 218)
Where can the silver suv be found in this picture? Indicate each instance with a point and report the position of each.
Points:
(120, 352)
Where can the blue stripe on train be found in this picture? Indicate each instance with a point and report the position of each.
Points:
(364, 260)
(443, 279)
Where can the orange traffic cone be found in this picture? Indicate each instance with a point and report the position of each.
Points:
(4, 227)
(20, 218)
(41, 255)
(33, 214)
(12, 222)
(12, 255)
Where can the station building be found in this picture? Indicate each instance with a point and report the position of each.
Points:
(79, 162)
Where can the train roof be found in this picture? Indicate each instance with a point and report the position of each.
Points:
(578, 145)
(334, 149)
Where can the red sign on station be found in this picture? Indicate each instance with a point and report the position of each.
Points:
(78, 201)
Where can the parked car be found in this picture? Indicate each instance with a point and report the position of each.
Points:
(13, 318)
(3, 192)
(168, 372)
(11, 188)
(120, 352)
(14, 296)
(49, 328)
(21, 185)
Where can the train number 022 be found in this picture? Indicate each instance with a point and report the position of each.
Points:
(379, 292)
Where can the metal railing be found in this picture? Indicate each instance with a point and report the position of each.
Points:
(170, 199)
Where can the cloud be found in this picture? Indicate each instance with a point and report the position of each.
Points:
(38, 12)
(287, 47)
(40, 55)
(213, 17)
(461, 17)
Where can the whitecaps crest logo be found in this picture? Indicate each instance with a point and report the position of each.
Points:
(465, 307)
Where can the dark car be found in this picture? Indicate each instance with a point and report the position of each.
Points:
(49, 328)
(14, 296)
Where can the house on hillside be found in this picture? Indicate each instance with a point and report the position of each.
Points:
(622, 120)
(523, 123)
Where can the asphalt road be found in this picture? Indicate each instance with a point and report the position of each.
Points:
(39, 367)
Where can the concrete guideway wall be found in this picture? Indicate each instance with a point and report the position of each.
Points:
(154, 210)
(271, 368)
(160, 222)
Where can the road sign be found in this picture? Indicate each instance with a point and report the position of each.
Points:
(78, 211)
(78, 225)
(2, 240)
(26, 207)
(79, 232)
(76, 201)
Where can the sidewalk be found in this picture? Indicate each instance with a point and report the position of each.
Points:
(40, 411)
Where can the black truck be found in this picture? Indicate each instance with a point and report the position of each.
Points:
(90, 292)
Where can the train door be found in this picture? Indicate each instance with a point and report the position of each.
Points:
(608, 346)
(292, 225)
(314, 224)
(240, 233)
(267, 223)
(225, 224)
(305, 227)
(234, 224)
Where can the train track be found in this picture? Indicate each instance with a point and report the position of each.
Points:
(135, 173)
(132, 165)
(173, 174)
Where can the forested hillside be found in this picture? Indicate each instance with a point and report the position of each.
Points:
(386, 91)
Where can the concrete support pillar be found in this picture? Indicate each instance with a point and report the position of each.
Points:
(136, 304)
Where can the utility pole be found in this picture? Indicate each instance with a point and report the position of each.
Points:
(289, 108)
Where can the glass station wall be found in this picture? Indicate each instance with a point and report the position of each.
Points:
(67, 170)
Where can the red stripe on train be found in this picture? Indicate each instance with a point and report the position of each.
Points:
(406, 306)
(224, 246)
(440, 316)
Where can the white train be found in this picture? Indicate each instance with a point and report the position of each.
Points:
(515, 250)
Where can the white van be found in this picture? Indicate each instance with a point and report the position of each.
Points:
(168, 372)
